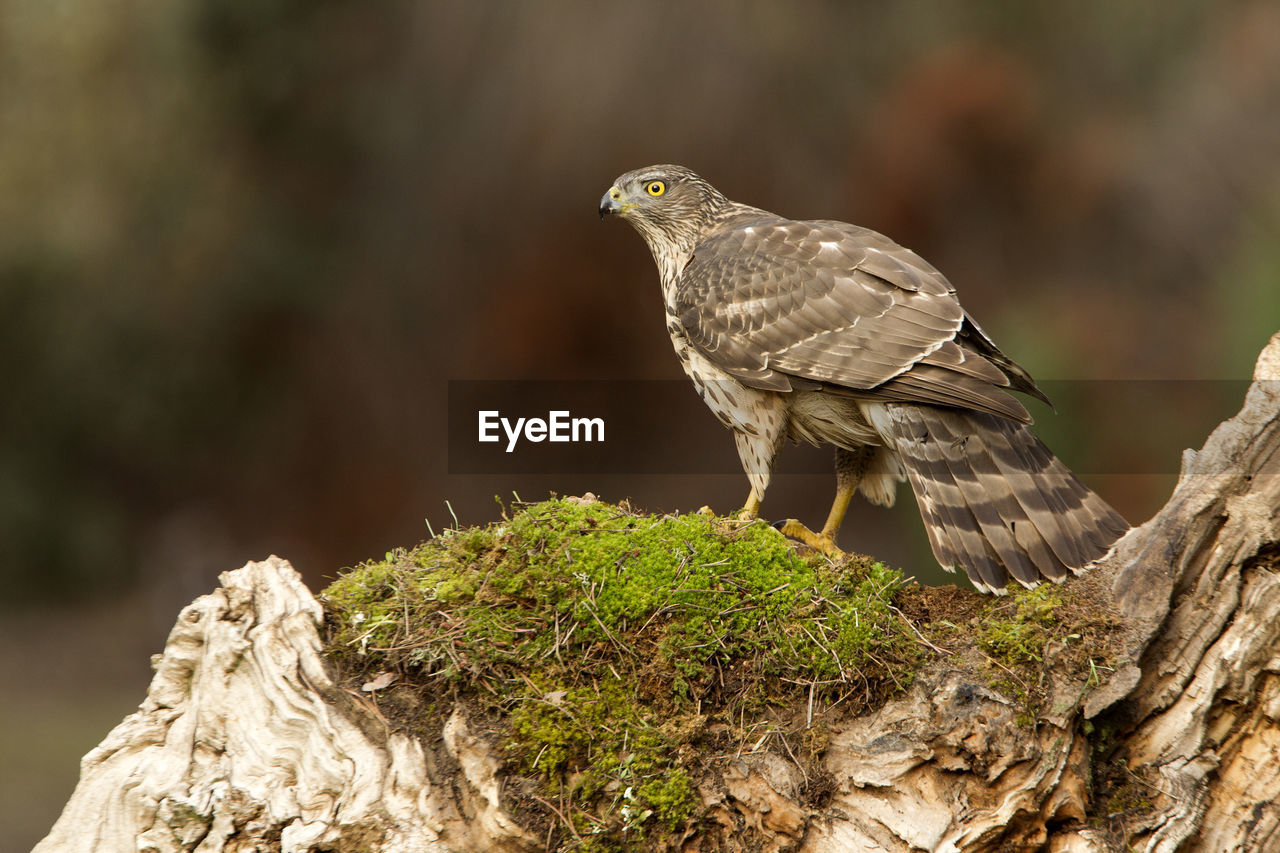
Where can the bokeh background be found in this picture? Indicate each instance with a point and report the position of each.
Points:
(245, 244)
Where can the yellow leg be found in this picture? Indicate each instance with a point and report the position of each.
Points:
(749, 512)
(839, 507)
(826, 540)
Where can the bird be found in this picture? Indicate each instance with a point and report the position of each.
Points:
(833, 334)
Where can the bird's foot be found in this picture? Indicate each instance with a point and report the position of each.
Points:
(823, 542)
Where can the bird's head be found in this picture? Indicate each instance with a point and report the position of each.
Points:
(670, 206)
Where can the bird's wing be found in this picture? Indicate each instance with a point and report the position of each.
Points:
(786, 305)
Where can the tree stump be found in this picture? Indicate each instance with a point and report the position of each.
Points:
(246, 741)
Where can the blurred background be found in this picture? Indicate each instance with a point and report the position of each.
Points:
(246, 244)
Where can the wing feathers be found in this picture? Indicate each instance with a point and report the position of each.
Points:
(844, 306)
(939, 386)
(821, 301)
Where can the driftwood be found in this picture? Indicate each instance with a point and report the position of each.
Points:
(246, 742)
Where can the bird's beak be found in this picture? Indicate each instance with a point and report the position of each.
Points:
(611, 202)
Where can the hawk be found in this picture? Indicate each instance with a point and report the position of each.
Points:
(825, 332)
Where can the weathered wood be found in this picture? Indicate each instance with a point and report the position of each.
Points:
(1201, 726)
(245, 742)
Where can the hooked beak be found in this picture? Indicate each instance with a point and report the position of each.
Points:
(611, 202)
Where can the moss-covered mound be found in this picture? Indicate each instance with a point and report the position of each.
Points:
(613, 654)
(615, 658)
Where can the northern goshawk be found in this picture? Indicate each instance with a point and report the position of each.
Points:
(829, 333)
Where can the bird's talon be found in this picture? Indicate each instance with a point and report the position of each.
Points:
(793, 529)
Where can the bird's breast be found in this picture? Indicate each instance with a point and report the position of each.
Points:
(735, 405)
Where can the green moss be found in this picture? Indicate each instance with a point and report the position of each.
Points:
(1020, 636)
(672, 797)
(603, 644)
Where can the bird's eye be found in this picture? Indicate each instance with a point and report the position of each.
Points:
(655, 188)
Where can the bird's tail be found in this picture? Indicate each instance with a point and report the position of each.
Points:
(995, 500)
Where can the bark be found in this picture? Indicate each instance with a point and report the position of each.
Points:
(245, 741)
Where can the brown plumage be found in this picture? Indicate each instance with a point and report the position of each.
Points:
(833, 334)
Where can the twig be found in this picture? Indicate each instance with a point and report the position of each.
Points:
(819, 644)
(564, 820)
(804, 773)
(604, 628)
(916, 631)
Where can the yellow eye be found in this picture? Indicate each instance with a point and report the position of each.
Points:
(655, 188)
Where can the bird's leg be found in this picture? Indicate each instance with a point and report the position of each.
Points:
(757, 451)
(749, 512)
(849, 468)
(839, 506)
